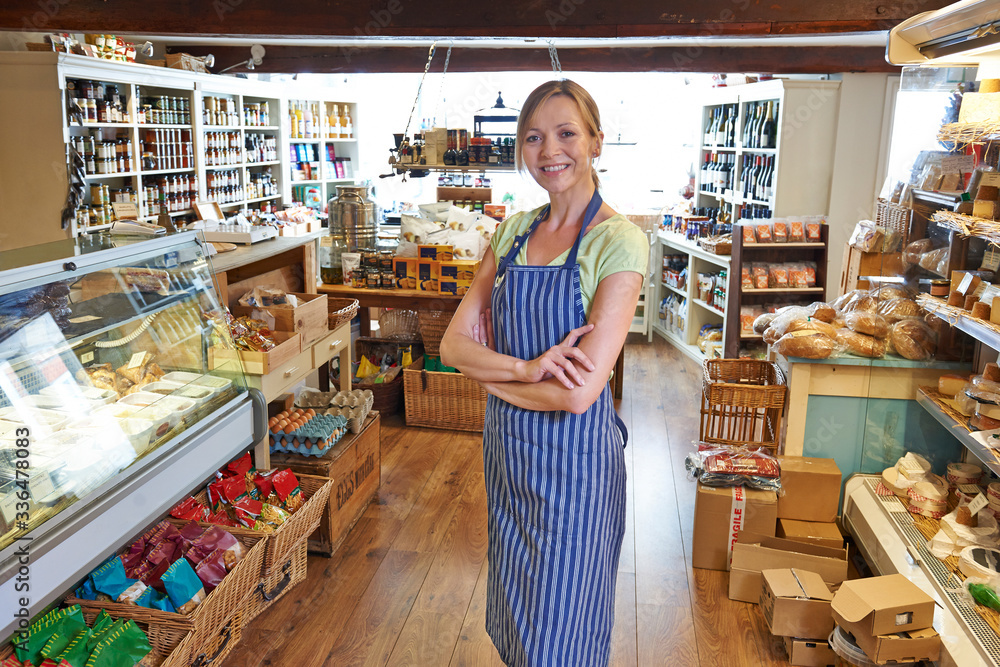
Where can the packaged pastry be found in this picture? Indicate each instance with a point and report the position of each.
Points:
(760, 277)
(748, 234)
(778, 276)
(212, 569)
(190, 509)
(822, 311)
(797, 277)
(810, 271)
(746, 279)
(763, 231)
(780, 231)
(796, 231)
(814, 232)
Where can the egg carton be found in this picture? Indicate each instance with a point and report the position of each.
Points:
(314, 438)
(353, 406)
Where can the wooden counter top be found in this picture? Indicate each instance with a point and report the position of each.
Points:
(247, 254)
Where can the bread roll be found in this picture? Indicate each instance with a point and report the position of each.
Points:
(844, 299)
(823, 311)
(771, 335)
(809, 323)
(894, 310)
(912, 339)
(867, 323)
(866, 304)
(889, 292)
(805, 344)
(762, 322)
(861, 344)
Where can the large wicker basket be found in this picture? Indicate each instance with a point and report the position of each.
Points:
(340, 310)
(388, 396)
(433, 324)
(893, 216)
(443, 400)
(742, 402)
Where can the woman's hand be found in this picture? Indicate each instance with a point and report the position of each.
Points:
(559, 361)
(483, 332)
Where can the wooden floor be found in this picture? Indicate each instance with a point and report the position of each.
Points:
(408, 586)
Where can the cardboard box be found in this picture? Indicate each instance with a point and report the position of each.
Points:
(452, 286)
(459, 269)
(882, 605)
(754, 553)
(440, 253)
(496, 211)
(909, 646)
(308, 319)
(811, 532)
(405, 270)
(428, 275)
(812, 489)
(796, 603)
(719, 514)
(809, 653)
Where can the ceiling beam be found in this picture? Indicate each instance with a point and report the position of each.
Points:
(691, 58)
(447, 18)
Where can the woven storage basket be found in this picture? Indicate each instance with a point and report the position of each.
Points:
(298, 528)
(433, 324)
(388, 396)
(185, 636)
(215, 649)
(340, 310)
(271, 587)
(717, 245)
(443, 400)
(742, 402)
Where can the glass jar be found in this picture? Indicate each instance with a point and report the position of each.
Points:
(331, 268)
(385, 258)
(373, 279)
(388, 279)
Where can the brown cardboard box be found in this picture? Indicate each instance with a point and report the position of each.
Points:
(908, 646)
(796, 603)
(809, 653)
(438, 253)
(811, 532)
(754, 553)
(882, 605)
(811, 489)
(719, 514)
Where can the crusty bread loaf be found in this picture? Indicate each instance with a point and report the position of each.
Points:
(822, 311)
(762, 322)
(808, 323)
(866, 304)
(844, 299)
(771, 335)
(894, 310)
(992, 372)
(807, 344)
(867, 323)
(912, 339)
(861, 344)
(889, 292)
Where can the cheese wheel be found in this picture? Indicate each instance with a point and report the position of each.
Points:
(950, 384)
(993, 491)
(967, 493)
(992, 372)
(913, 467)
(979, 562)
(988, 410)
(983, 423)
(927, 492)
(890, 478)
(915, 508)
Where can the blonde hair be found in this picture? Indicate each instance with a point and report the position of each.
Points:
(585, 103)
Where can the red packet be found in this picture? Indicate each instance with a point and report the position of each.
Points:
(190, 509)
(239, 467)
(248, 511)
(288, 489)
(221, 519)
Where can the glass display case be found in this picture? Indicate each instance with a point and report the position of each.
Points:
(109, 412)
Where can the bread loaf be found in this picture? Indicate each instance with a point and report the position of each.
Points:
(822, 311)
(913, 251)
(912, 339)
(866, 304)
(889, 292)
(844, 299)
(809, 323)
(861, 344)
(867, 323)
(894, 310)
(771, 335)
(805, 344)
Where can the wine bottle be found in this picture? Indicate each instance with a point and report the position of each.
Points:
(710, 129)
(767, 133)
(705, 171)
(731, 134)
(720, 130)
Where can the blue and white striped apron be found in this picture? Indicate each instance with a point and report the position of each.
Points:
(555, 485)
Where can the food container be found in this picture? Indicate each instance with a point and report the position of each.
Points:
(162, 388)
(36, 418)
(198, 394)
(181, 377)
(213, 382)
(138, 432)
(93, 394)
(180, 406)
(163, 418)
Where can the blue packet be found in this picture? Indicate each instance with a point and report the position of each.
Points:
(184, 588)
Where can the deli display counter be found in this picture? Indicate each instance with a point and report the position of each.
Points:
(109, 411)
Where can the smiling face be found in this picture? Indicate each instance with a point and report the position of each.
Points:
(558, 148)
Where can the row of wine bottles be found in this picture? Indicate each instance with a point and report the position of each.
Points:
(755, 178)
(759, 127)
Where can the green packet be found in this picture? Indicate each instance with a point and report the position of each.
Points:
(122, 647)
(66, 622)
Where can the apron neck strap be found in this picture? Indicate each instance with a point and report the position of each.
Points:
(519, 241)
(588, 216)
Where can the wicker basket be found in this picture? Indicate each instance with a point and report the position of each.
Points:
(388, 396)
(185, 636)
(271, 587)
(280, 543)
(215, 649)
(340, 310)
(717, 245)
(443, 400)
(433, 324)
(893, 216)
(742, 402)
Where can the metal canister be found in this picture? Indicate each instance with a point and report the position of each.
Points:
(357, 216)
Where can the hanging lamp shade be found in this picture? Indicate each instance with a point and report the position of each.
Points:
(496, 121)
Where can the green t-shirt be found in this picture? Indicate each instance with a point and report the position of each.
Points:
(612, 246)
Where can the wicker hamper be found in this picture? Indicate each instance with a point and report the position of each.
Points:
(742, 402)
(340, 311)
(443, 400)
(433, 324)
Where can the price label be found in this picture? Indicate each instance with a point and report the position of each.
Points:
(125, 210)
(990, 178)
(8, 506)
(41, 485)
(137, 359)
(957, 164)
(978, 503)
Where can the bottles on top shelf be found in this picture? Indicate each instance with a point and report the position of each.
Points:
(721, 128)
(759, 127)
(319, 120)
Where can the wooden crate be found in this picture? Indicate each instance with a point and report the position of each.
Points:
(308, 319)
(258, 363)
(295, 229)
(355, 466)
(857, 264)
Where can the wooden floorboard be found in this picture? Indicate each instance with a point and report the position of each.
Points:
(408, 585)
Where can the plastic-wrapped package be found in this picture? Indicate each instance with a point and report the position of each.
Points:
(763, 231)
(748, 234)
(715, 465)
(965, 403)
(889, 292)
(777, 276)
(797, 275)
(866, 303)
(763, 322)
(822, 311)
(811, 324)
(779, 230)
(913, 339)
(847, 298)
(861, 344)
(867, 236)
(807, 344)
(866, 322)
(796, 231)
(760, 276)
(953, 536)
(896, 309)
(915, 250)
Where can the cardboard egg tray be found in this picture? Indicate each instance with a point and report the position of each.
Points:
(309, 435)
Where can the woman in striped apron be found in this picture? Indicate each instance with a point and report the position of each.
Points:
(553, 313)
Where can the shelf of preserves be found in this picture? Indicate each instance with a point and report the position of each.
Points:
(157, 172)
(693, 249)
(214, 167)
(450, 167)
(260, 199)
(761, 246)
(676, 290)
(262, 128)
(934, 403)
(122, 174)
(892, 542)
(100, 125)
(262, 164)
(232, 204)
(219, 128)
(158, 126)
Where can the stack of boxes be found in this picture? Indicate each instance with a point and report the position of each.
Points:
(435, 270)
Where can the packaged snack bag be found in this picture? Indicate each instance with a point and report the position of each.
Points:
(287, 487)
(183, 586)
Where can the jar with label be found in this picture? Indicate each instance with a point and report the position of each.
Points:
(385, 258)
(388, 279)
(373, 278)
(96, 194)
(369, 258)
